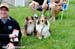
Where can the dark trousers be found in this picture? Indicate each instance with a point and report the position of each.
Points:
(0, 46)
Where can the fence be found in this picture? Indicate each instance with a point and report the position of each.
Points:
(16, 2)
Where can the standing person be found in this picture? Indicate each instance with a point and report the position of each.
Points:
(35, 3)
(8, 25)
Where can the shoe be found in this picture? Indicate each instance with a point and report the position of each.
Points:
(35, 16)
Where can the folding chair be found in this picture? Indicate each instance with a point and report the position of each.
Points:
(64, 8)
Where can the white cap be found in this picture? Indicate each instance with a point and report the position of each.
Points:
(4, 5)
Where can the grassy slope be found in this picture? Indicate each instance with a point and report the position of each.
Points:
(63, 32)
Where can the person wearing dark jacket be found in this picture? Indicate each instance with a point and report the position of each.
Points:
(10, 33)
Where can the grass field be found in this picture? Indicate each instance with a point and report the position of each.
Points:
(62, 35)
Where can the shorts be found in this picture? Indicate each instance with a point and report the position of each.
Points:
(40, 2)
(39, 8)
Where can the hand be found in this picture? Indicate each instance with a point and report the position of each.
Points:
(12, 35)
(43, 5)
(10, 46)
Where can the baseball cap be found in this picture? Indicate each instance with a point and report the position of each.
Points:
(4, 6)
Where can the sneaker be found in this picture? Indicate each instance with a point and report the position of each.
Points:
(52, 19)
(42, 15)
(35, 16)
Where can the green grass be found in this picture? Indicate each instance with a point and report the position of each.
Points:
(62, 35)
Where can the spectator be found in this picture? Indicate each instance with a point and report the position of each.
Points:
(55, 6)
(36, 3)
(7, 26)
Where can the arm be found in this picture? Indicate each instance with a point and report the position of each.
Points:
(45, 2)
(17, 27)
(4, 35)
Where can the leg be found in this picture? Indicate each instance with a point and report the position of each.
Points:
(52, 6)
(39, 35)
(33, 6)
(44, 8)
(0, 46)
(10, 46)
(57, 10)
(47, 35)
